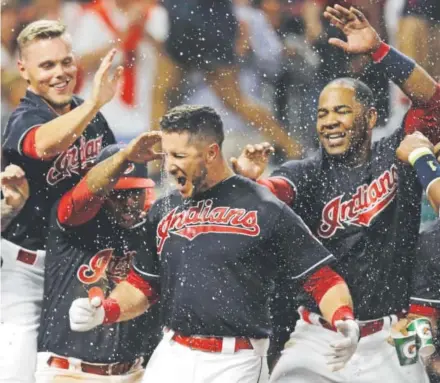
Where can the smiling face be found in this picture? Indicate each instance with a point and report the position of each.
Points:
(125, 206)
(187, 161)
(50, 69)
(344, 124)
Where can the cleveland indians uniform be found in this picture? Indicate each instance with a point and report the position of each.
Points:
(368, 216)
(84, 252)
(23, 242)
(221, 254)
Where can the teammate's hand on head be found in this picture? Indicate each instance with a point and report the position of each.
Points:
(361, 36)
(86, 314)
(140, 149)
(106, 83)
(15, 186)
(342, 350)
(411, 142)
(253, 160)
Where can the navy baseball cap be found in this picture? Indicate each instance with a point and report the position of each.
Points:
(134, 177)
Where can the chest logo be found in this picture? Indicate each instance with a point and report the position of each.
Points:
(74, 160)
(362, 207)
(203, 219)
(104, 265)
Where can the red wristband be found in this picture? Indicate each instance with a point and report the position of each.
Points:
(380, 52)
(112, 311)
(342, 313)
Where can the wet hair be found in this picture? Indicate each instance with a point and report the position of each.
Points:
(202, 122)
(39, 30)
(363, 94)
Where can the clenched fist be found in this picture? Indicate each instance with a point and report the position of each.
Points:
(86, 314)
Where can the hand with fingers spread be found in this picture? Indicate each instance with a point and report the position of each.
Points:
(14, 186)
(253, 161)
(141, 149)
(361, 36)
(105, 84)
(342, 350)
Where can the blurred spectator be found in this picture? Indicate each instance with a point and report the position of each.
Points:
(419, 33)
(334, 62)
(137, 28)
(12, 85)
(259, 53)
(68, 12)
(205, 35)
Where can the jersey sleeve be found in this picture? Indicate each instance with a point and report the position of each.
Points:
(19, 125)
(300, 252)
(301, 176)
(426, 276)
(425, 118)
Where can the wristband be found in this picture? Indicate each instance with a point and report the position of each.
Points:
(395, 64)
(342, 313)
(426, 166)
(112, 311)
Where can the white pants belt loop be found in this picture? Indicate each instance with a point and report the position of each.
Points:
(228, 345)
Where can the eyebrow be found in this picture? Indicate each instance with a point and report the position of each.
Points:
(337, 107)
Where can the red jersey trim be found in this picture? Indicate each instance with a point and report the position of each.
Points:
(27, 143)
(281, 188)
(79, 205)
(322, 281)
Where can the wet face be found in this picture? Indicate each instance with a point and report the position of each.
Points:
(125, 206)
(343, 124)
(50, 69)
(186, 162)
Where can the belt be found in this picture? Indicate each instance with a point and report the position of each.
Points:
(210, 344)
(96, 369)
(366, 328)
(26, 256)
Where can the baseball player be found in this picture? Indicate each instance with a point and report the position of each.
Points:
(418, 151)
(363, 205)
(223, 243)
(96, 229)
(54, 137)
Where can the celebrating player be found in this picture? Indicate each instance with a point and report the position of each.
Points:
(54, 136)
(96, 229)
(222, 243)
(362, 204)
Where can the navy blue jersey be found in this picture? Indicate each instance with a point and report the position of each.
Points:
(98, 253)
(48, 180)
(222, 253)
(368, 217)
(426, 276)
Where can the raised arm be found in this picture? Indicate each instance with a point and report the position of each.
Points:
(418, 151)
(57, 135)
(362, 38)
(83, 201)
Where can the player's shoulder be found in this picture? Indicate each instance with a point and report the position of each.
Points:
(306, 166)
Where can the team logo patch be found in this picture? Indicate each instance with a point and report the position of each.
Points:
(203, 219)
(73, 160)
(362, 207)
(103, 265)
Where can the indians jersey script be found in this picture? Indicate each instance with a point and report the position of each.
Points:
(95, 254)
(221, 253)
(368, 217)
(49, 179)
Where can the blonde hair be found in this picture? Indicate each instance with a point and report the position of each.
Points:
(39, 30)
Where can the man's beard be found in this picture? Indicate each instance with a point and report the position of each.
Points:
(59, 105)
(199, 182)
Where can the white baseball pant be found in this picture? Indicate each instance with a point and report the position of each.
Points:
(375, 360)
(48, 374)
(173, 362)
(20, 310)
